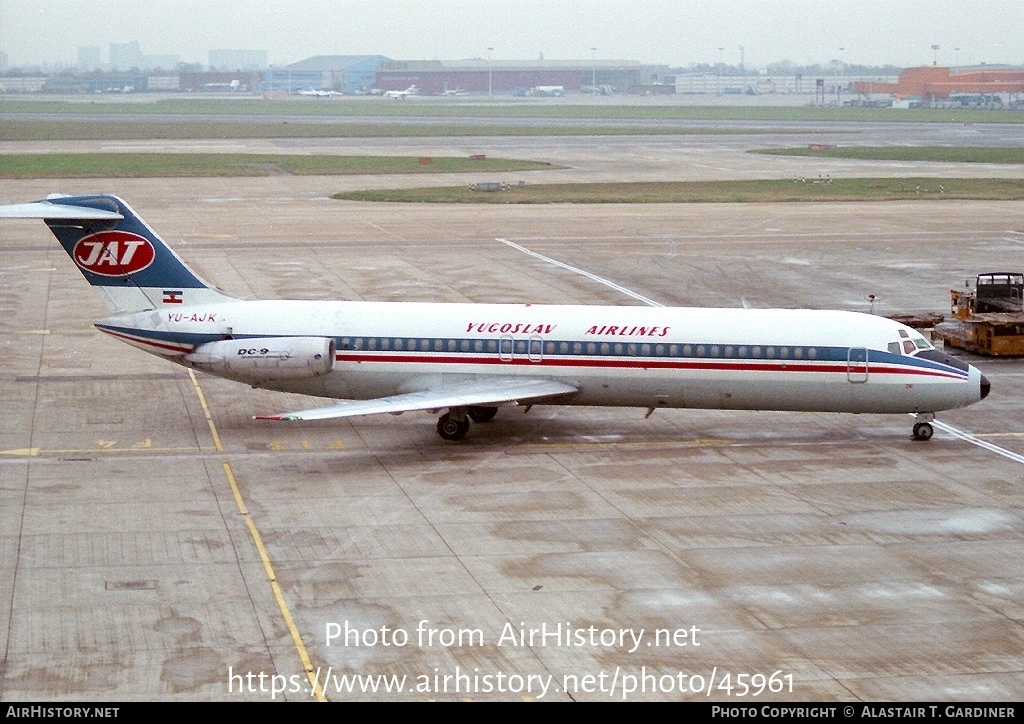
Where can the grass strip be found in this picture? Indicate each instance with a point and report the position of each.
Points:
(768, 190)
(161, 165)
(142, 128)
(948, 154)
(499, 108)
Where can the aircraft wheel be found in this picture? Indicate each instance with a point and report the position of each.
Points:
(451, 429)
(923, 431)
(482, 414)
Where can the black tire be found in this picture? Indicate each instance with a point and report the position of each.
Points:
(923, 431)
(482, 414)
(451, 429)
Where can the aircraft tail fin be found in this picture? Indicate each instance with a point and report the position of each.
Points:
(127, 262)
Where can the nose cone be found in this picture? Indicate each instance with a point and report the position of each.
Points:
(986, 386)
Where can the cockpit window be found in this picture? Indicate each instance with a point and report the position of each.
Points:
(922, 343)
(894, 348)
(908, 346)
(903, 333)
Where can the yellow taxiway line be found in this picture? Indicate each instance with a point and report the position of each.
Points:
(268, 567)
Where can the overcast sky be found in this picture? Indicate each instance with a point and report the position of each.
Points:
(676, 32)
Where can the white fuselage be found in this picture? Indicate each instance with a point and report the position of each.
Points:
(619, 356)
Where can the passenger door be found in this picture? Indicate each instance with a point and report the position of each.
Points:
(857, 365)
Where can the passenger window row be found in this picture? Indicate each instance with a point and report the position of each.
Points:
(592, 349)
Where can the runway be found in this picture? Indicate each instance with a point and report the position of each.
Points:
(158, 543)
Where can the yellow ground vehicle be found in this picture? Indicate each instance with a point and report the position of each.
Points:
(989, 319)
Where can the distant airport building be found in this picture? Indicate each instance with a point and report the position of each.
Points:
(755, 84)
(712, 84)
(108, 82)
(480, 75)
(931, 83)
(166, 83)
(238, 60)
(347, 74)
(22, 84)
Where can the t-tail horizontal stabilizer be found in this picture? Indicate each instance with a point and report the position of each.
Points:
(127, 263)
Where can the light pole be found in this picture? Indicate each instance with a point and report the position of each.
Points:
(593, 71)
(956, 59)
(720, 50)
(935, 55)
(743, 67)
(490, 76)
(842, 72)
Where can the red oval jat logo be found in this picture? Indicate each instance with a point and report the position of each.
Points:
(114, 253)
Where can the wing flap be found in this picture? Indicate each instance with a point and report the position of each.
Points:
(469, 394)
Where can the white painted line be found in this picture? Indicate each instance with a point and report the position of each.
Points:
(1015, 241)
(176, 147)
(588, 275)
(980, 443)
(757, 236)
(382, 229)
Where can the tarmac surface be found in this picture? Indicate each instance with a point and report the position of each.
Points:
(157, 543)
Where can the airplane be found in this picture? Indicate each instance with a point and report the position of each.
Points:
(399, 95)
(469, 360)
(312, 92)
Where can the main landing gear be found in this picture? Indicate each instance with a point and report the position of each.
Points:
(482, 414)
(923, 429)
(454, 424)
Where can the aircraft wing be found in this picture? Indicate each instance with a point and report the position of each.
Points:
(475, 393)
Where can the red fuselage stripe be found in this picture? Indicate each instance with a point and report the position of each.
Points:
(142, 340)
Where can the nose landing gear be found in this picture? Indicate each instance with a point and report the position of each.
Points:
(923, 429)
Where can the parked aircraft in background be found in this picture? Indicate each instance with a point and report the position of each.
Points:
(548, 90)
(471, 359)
(399, 95)
(312, 92)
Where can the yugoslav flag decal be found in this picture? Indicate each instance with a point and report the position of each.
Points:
(114, 253)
